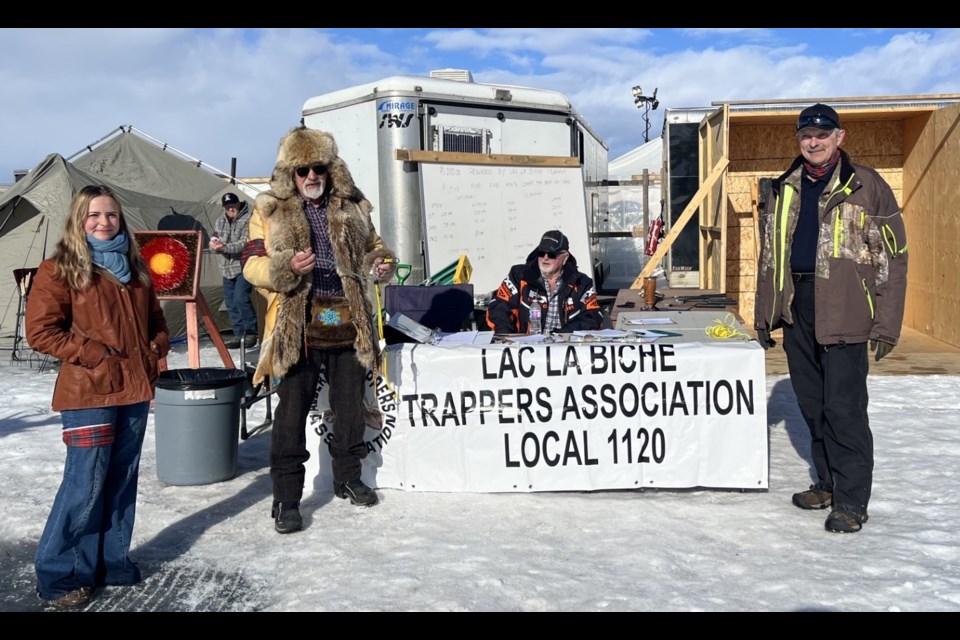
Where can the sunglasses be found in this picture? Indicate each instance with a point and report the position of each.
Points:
(318, 169)
(816, 120)
(548, 254)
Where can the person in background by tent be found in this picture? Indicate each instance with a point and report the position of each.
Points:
(314, 251)
(93, 307)
(833, 274)
(549, 280)
(229, 239)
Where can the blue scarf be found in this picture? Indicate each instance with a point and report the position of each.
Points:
(112, 255)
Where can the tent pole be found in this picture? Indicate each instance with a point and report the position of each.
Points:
(90, 146)
(46, 231)
(129, 128)
(200, 163)
(12, 211)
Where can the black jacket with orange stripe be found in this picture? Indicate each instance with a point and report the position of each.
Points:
(509, 310)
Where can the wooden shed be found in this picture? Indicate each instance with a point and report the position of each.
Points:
(913, 141)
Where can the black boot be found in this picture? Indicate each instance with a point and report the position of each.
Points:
(359, 493)
(286, 516)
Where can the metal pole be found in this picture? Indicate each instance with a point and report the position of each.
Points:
(646, 120)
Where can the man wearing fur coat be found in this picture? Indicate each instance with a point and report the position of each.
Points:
(314, 252)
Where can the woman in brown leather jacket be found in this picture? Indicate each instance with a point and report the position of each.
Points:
(93, 307)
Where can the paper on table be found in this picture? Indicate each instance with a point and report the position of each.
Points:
(533, 337)
(463, 337)
(647, 333)
(410, 327)
(483, 337)
(601, 333)
(650, 321)
(665, 334)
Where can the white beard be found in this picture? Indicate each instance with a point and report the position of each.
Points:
(313, 192)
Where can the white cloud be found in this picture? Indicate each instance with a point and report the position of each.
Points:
(222, 93)
(744, 33)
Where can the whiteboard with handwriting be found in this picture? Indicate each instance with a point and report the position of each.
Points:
(495, 215)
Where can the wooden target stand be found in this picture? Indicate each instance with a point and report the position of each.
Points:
(195, 308)
(174, 259)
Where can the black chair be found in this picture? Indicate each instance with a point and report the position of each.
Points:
(448, 308)
(23, 352)
(254, 393)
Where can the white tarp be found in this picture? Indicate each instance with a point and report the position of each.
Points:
(562, 416)
(647, 156)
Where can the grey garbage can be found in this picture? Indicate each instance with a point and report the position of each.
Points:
(197, 424)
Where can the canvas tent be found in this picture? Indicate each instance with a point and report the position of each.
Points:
(130, 160)
(158, 191)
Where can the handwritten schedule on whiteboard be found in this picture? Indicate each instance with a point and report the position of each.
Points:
(495, 216)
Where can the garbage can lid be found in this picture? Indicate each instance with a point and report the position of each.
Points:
(202, 378)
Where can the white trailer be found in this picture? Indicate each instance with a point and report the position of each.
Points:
(448, 112)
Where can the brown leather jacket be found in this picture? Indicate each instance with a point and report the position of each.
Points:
(77, 327)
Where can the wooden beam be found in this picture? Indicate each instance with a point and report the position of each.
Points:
(214, 332)
(755, 209)
(681, 222)
(868, 99)
(454, 157)
(193, 335)
(198, 309)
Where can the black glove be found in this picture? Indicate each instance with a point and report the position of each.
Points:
(763, 337)
(881, 347)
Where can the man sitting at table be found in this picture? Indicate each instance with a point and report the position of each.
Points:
(548, 281)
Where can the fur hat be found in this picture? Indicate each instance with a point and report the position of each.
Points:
(303, 147)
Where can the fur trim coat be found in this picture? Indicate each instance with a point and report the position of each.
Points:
(279, 228)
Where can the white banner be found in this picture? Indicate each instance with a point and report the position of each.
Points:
(562, 416)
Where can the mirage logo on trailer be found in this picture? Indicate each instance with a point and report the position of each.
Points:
(396, 114)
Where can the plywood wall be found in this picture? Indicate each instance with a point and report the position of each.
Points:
(766, 151)
(741, 240)
(917, 151)
(931, 177)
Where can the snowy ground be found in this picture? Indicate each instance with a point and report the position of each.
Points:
(213, 548)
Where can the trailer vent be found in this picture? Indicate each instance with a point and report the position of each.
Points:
(461, 139)
(460, 75)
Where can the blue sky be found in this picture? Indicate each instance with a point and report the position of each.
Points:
(218, 94)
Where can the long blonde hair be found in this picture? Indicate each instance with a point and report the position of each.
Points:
(72, 254)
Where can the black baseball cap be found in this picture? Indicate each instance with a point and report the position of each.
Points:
(553, 242)
(819, 116)
(229, 199)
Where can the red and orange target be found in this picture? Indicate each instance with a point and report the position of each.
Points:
(173, 258)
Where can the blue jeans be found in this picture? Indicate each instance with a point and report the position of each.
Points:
(86, 540)
(236, 295)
